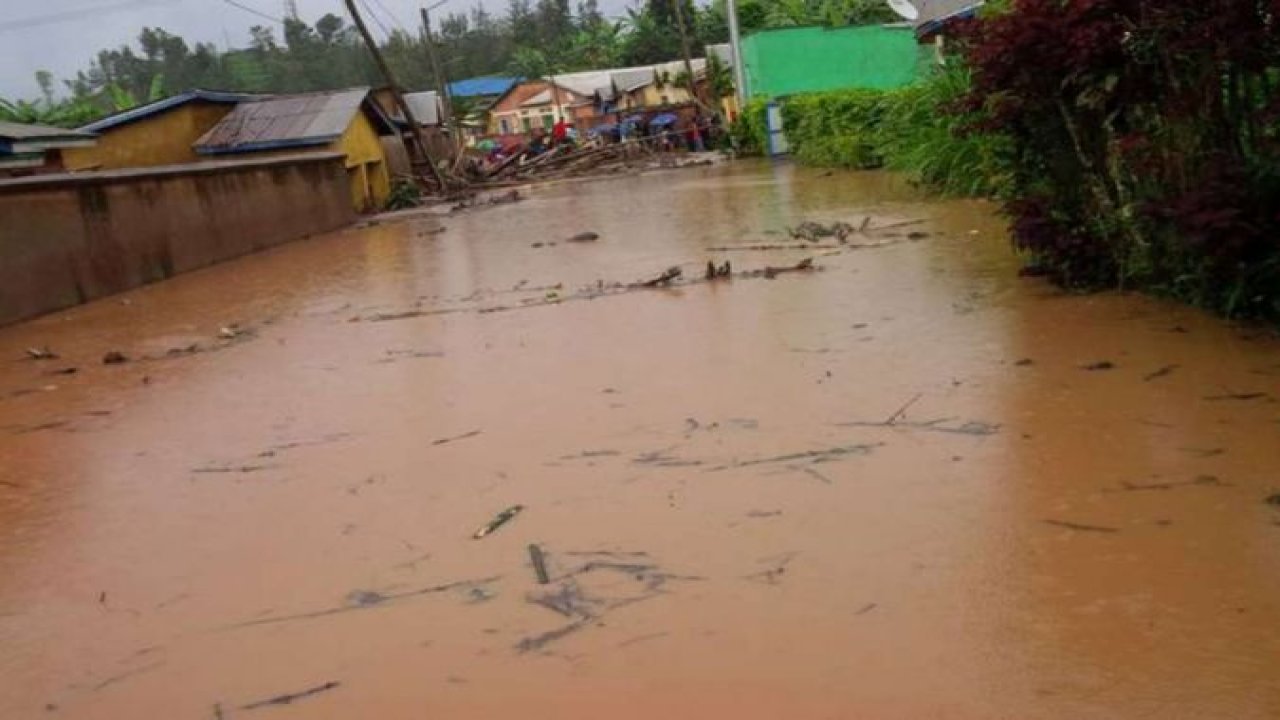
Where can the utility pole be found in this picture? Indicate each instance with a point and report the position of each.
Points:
(735, 49)
(442, 85)
(395, 92)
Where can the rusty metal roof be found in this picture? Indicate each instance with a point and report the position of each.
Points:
(288, 121)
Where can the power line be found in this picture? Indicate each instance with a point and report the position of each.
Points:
(394, 20)
(76, 14)
(250, 10)
(374, 15)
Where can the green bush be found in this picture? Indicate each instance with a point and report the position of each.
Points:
(920, 136)
(909, 129)
(749, 131)
(835, 129)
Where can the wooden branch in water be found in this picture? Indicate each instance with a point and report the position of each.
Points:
(463, 436)
(824, 455)
(539, 563)
(1082, 528)
(902, 410)
(775, 246)
(291, 697)
(672, 273)
(368, 600)
(498, 521)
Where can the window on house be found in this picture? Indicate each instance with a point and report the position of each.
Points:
(548, 121)
(665, 100)
(504, 126)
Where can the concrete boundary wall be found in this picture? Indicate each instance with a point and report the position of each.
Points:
(71, 238)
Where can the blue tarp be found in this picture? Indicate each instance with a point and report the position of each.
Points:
(664, 119)
(482, 86)
(604, 129)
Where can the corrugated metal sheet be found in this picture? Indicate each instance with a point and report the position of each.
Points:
(483, 86)
(284, 121)
(23, 131)
(20, 138)
(425, 107)
(933, 13)
(159, 106)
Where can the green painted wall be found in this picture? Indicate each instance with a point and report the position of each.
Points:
(807, 59)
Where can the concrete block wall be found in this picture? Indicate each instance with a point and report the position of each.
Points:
(71, 238)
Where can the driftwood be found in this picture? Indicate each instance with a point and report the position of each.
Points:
(291, 697)
(1162, 372)
(455, 438)
(812, 456)
(364, 599)
(671, 273)
(498, 521)
(1082, 528)
(539, 561)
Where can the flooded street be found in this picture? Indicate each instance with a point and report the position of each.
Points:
(905, 485)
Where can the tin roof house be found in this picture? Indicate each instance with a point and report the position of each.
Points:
(158, 133)
(37, 149)
(344, 121)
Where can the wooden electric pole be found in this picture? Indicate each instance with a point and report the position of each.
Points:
(442, 84)
(395, 92)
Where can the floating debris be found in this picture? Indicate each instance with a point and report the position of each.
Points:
(584, 237)
(498, 521)
(1100, 365)
(288, 698)
(463, 436)
(672, 273)
(539, 560)
(114, 357)
(41, 353)
(813, 232)
(1081, 527)
(1237, 396)
(1162, 372)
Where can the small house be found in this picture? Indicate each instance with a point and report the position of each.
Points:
(158, 133)
(344, 121)
(37, 149)
(534, 104)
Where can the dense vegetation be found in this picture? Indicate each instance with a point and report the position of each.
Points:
(908, 129)
(1146, 142)
(531, 39)
(1135, 143)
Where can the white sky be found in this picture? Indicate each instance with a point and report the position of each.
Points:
(63, 36)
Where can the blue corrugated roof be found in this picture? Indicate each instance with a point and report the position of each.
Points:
(481, 86)
(159, 106)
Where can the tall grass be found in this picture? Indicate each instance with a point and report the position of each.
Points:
(920, 135)
(910, 129)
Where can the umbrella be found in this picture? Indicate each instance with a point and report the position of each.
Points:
(664, 119)
(487, 144)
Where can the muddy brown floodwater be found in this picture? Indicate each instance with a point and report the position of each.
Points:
(886, 488)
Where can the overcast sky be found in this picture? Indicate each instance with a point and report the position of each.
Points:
(63, 36)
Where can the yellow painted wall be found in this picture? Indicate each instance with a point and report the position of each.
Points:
(163, 139)
(362, 147)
